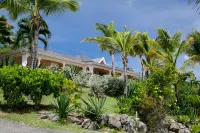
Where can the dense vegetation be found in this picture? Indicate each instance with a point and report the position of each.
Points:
(162, 90)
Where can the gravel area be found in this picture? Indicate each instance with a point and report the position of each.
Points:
(14, 127)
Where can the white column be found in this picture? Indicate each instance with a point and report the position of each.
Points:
(63, 65)
(84, 68)
(39, 59)
(110, 72)
(91, 69)
(24, 59)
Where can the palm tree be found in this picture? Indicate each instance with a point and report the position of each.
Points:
(171, 47)
(25, 35)
(6, 33)
(108, 31)
(145, 50)
(195, 2)
(35, 9)
(124, 42)
(193, 50)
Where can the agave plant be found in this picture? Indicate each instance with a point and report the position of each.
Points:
(93, 108)
(62, 106)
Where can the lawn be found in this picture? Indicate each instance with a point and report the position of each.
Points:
(31, 117)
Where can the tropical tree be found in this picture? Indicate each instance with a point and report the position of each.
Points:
(124, 42)
(170, 48)
(193, 50)
(195, 2)
(6, 34)
(146, 51)
(25, 35)
(35, 9)
(108, 31)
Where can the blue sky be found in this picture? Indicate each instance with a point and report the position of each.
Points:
(69, 29)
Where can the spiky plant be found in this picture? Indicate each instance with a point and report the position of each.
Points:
(62, 106)
(93, 107)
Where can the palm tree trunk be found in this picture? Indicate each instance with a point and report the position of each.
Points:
(36, 33)
(147, 71)
(113, 64)
(140, 57)
(124, 58)
(35, 48)
(31, 51)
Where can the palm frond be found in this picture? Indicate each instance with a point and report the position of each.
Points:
(54, 6)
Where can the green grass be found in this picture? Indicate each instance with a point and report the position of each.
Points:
(31, 117)
(33, 120)
(110, 105)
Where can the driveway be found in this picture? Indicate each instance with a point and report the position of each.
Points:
(14, 127)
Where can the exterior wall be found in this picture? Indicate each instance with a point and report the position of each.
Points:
(49, 57)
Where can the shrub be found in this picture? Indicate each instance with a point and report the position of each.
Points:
(98, 84)
(93, 108)
(82, 79)
(71, 71)
(195, 128)
(136, 93)
(183, 119)
(68, 87)
(41, 82)
(152, 112)
(62, 106)
(11, 83)
(115, 87)
(124, 105)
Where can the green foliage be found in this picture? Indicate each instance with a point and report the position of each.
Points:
(160, 85)
(62, 106)
(115, 87)
(189, 100)
(71, 71)
(136, 92)
(152, 112)
(11, 83)
(41, 82)
(124, 105)
(6, 33)
(8, 61)
(4, 50)
(195, 128)
(93, 108)
(98, 84)
(82, 79)
(68, 87)
(183, 119)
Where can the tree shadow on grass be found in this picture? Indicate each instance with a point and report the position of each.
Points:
(28, 108)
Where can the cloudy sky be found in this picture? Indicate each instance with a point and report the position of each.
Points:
(69, 29)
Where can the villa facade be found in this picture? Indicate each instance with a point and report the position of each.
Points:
(47, 57)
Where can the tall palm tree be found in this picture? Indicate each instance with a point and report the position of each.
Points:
(124, 41)
(145, 50)
(193, 50)
(108, 31)
(171, 47)
(35, 8)
(25, 35)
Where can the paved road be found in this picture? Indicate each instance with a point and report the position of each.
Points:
(14, 127)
